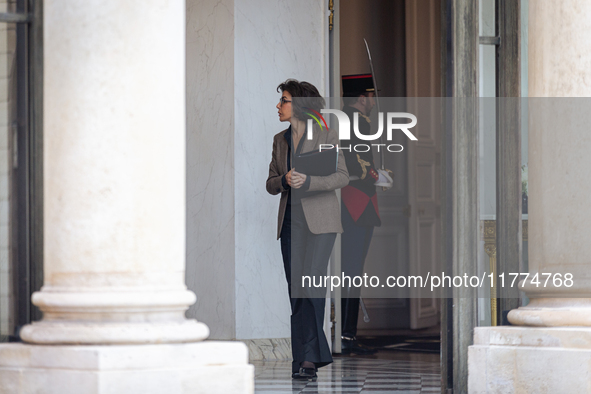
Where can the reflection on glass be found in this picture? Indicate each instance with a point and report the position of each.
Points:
(7, 194)
(524, 129)
(486, 24)
(487, 157)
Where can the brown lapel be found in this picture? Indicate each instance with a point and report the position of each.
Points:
(310, 145)
(283, 147)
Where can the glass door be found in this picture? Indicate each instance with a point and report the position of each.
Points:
(19, 167)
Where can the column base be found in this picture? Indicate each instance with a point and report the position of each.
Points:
(553, 312)
(77, 333)
(205, 367)
(525, 360)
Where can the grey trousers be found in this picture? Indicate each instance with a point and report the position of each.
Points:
(305, 253)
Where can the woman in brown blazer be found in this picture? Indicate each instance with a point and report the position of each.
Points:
(309, 219)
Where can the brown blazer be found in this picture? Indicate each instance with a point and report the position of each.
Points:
(322, 210)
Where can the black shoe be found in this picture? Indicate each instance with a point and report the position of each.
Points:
(349, 346)
(305, 373)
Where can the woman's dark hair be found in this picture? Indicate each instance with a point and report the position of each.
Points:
(307, 96)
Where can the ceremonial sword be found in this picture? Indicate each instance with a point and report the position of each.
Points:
(375, 87)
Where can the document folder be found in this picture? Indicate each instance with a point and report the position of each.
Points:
(317, 163)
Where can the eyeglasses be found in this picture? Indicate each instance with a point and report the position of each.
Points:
(283, 100)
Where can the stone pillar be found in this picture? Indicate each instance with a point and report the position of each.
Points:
(550, 349)
(559, 162)
(114, 225)
(114, 175)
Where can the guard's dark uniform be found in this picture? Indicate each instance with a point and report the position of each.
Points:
(359, 210)
(359, 216)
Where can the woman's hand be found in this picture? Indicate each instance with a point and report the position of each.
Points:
(297, 179)
(288, 177)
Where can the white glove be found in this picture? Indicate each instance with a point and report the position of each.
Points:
(384, 179)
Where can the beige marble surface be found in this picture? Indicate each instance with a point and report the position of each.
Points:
(559, 57)
(268, 349)
(529, 360)
(207, 367)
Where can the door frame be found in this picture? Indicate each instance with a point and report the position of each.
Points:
(428, 82)
(26, 225)
(334, 89)
(460, 213)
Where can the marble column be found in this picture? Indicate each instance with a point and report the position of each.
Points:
(549, 350)
(114, 176)
(559, 145)
(114, 295)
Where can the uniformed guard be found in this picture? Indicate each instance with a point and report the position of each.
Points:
(359, 210)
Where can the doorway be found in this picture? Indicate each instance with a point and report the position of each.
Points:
(442, 44)
(404, 39)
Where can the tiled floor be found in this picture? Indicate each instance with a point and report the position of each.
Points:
(407, 373)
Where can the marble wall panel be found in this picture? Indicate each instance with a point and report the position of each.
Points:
(275, 40)
(210, 163)
(238, 51)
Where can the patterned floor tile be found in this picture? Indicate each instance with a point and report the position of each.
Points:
(352, 375)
